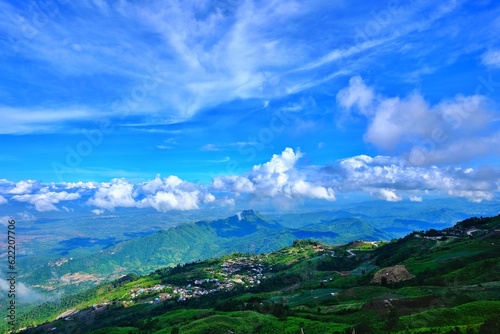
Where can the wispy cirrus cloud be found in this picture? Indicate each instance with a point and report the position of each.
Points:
(166, 61)
(24, 120)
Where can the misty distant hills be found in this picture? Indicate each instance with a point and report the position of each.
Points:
(346, 230)
(394, 222)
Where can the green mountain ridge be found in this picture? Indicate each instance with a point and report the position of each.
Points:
(435, 281)
(395, 221)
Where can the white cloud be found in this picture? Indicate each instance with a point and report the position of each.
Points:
(279, 163)
(209, 198)
(395, 119)
(416, 198)
(81, 185)
(117, 193)
(472, 195)
(3, 200)
(387, 178)
(23, 187)
(491, 58)
(170, 193)
(461, 149)
(277, 178)
(44, 201)
(237, 184)
(357, 94)
(226, 201)
(428, 134)
(166, 201)
(388, 195)
(5, 186)
(301, 188)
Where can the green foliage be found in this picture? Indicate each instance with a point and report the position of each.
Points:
(304, 243)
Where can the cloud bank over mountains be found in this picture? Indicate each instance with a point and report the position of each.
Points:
(282, 179)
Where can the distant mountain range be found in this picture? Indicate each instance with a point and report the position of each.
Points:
(247, 232)
(395, 221)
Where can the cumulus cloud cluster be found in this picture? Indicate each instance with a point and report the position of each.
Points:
(165, 194)
(454, 130)
(281, 180)
(41, 196)
(170, 193)
(278, 177)
(117, 193)
(388, 178)
(45, 200)
(173, 193)
(23, 187)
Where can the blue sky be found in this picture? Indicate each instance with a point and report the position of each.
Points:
(234, 102)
